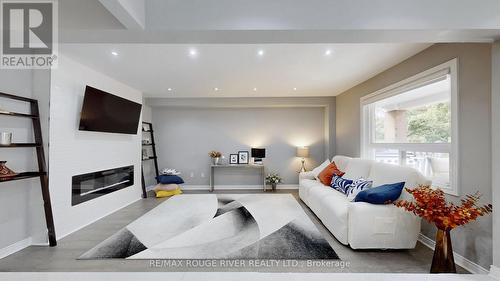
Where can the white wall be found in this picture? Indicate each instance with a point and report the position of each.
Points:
(495, 106)
(74, 152)
(21, 207)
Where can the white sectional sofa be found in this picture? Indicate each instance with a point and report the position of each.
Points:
(362, 225)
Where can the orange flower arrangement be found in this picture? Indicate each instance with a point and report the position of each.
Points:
(431, 205)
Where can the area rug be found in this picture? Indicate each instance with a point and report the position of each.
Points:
(219, 226)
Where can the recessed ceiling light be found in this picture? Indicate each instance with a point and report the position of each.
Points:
(328, 52)
(260, 53)
(169, 89)
(193, 52)
(255, 89)
(295, 89)
(216, 89)
(114, 53)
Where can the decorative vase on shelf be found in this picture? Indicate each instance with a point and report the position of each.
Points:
(443, 261)
(216, 160)
(273, 185)
(5, 172)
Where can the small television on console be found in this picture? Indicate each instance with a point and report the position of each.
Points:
(104, 112)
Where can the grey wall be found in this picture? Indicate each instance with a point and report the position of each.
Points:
(185, 135)
(21, 212)
(473, 241)
(495, 105)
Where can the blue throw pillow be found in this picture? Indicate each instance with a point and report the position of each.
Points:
(170, 179)
(384, 194)
(341, 184)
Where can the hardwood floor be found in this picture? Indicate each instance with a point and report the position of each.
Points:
(64, 256)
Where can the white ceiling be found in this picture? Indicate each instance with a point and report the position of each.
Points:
(277, 21)
(236, 69)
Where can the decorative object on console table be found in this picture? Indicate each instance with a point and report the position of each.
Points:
(148, 139)
(243, 157)
(5, 138)
(431, 205)
(215, 155)
(258, 154)
(274, 179)
(233, 159)
(34, 115)
(303, 152)
(6, 173)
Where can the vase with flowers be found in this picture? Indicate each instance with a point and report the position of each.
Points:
(431, 205)
(215, 155)
(273, 179)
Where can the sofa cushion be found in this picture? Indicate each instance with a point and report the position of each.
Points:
(341, 161)
(334, 214)
(327, 174)
(384, 194)
(358, 168)
(317, 193)
(382, 173)
(305, 187)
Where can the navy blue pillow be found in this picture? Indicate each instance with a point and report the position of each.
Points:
(384, 194)
(341, 184)
(170, 179)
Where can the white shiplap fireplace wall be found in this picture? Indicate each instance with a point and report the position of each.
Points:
(73, 152)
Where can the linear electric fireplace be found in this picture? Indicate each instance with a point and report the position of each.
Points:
(92, 185)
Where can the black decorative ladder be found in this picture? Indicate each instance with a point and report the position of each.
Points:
(149, 130)
(42, 166)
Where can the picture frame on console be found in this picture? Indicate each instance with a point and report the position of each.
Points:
(233, 159)
(243, 157)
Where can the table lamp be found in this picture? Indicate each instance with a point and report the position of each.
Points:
(258, 154)
(303, 152)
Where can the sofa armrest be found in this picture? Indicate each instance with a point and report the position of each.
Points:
(307, 176)
(381, 227)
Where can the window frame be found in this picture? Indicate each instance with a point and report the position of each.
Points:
(416, 81)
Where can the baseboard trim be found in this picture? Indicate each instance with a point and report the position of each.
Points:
(16, 247)
(469, 265)
(495, 272)
(236, 187)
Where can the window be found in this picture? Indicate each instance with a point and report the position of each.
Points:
(414, 123)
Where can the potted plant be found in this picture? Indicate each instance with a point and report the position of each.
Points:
(273, 179)
(431, 205)
(215, 155)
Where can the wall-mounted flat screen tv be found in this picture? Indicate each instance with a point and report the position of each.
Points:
(104, 112)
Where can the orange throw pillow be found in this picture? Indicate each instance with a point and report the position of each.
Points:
(325, 177)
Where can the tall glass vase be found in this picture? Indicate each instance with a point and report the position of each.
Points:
(443, 261)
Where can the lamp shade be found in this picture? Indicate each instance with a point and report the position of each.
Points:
(303, 151)
(258, 152)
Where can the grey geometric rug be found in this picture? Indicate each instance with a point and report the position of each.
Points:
(219, 226)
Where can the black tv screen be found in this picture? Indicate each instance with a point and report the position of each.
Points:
(104, 112)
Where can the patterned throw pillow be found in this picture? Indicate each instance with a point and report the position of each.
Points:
(341, 184)
(326, 176)
(358, 186)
